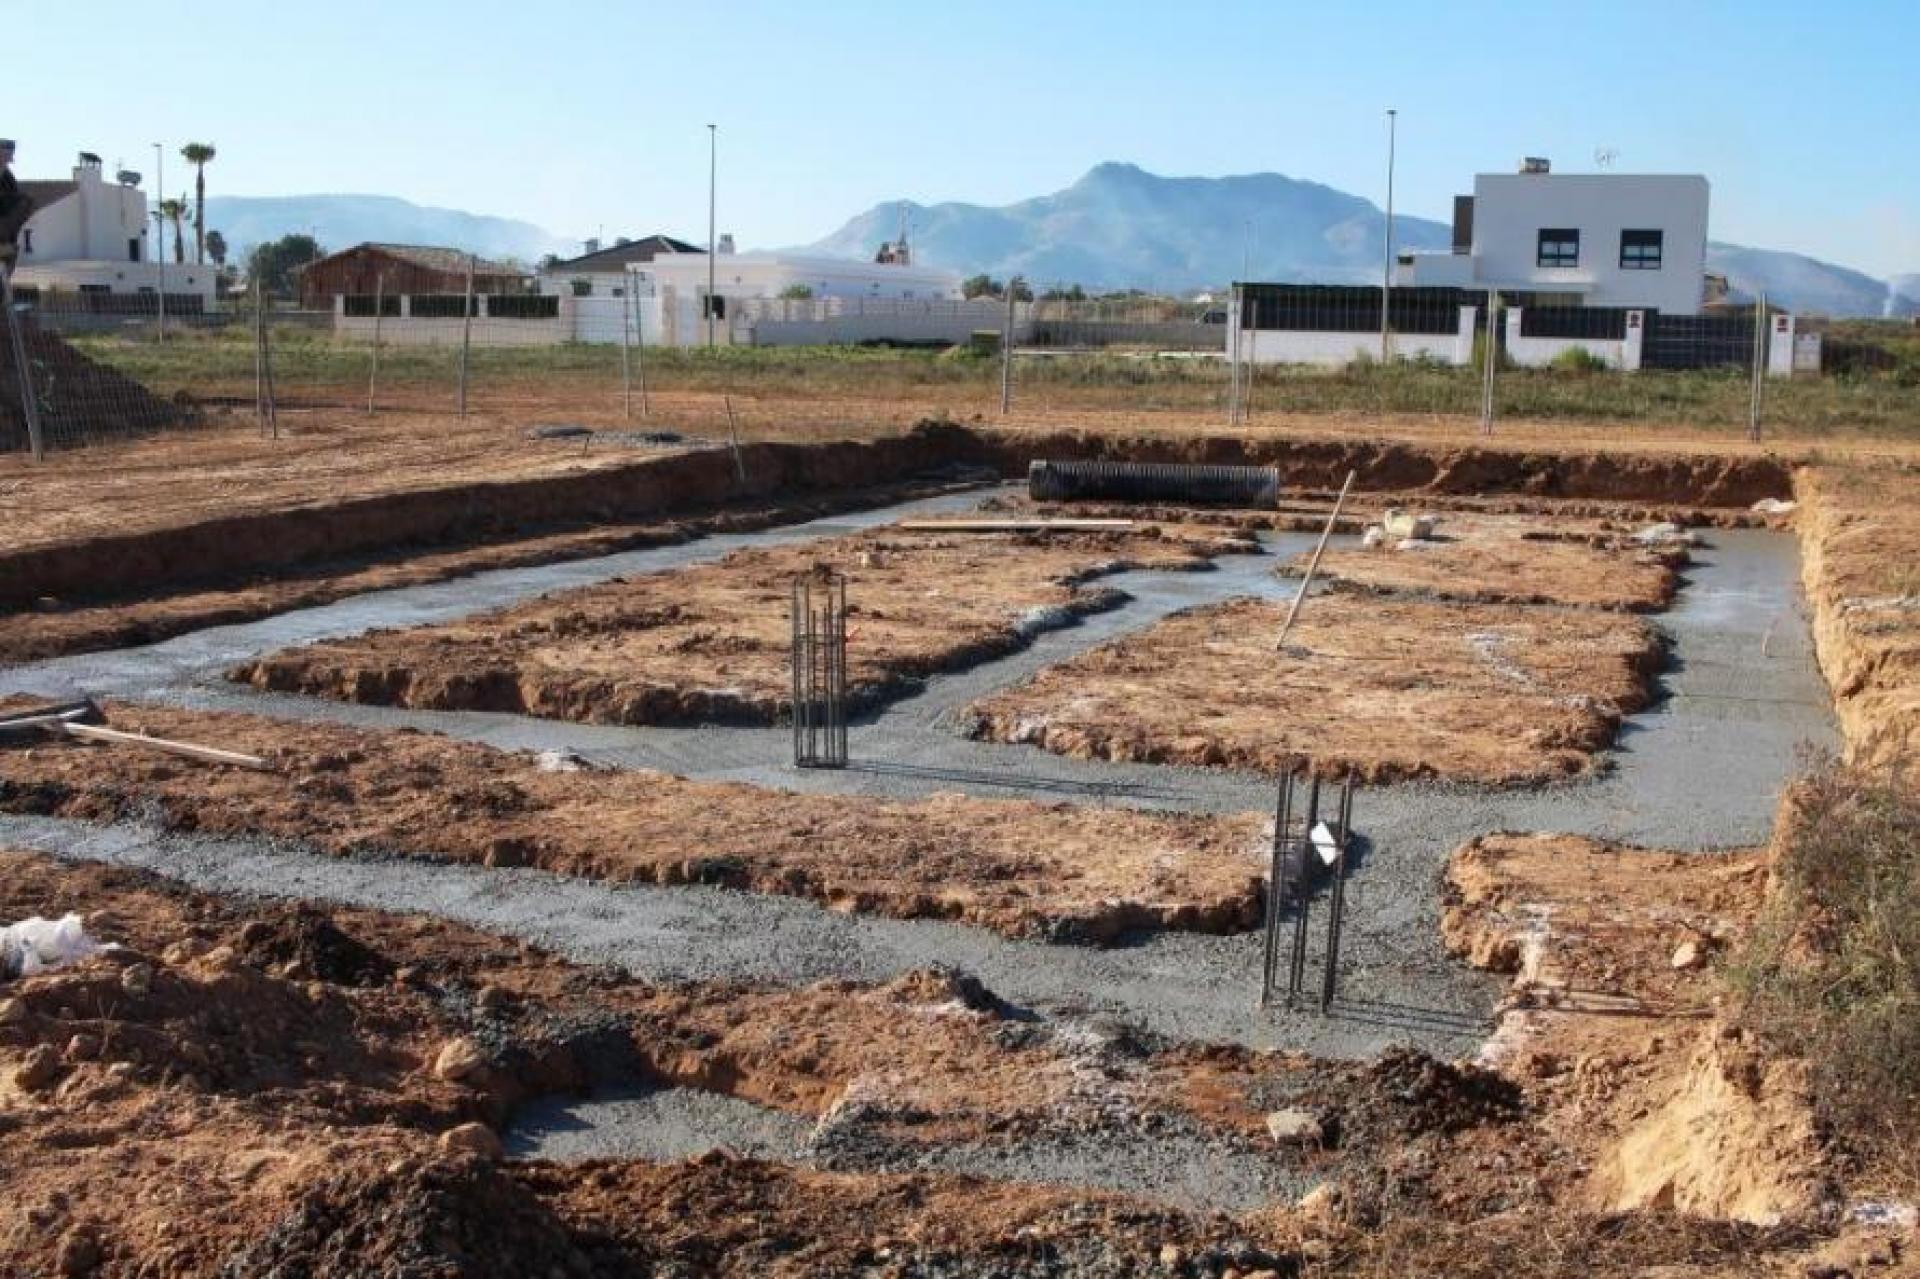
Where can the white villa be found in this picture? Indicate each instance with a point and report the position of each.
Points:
(89, 236)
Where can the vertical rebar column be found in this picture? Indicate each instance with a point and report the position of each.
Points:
(1276, 880)
(1297, 966)
(819, 671)
(1760, 345)
(1006, 356)
(17, 343)
(1337, 902)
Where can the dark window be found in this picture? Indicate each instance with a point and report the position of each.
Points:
(133, 249)
(1559, 246)
(582, 288)
(1641, 250)
(713, 306)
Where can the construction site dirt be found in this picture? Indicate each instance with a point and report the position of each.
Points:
(1387, 689)
(709, 644)
(528, 947)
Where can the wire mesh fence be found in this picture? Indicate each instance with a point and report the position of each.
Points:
(85, 368)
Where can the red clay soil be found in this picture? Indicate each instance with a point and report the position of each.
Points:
(254, 1089)
(1860, 530)
(53, 627)
(1020, 868)
(1511, 559)
(1391, 689)
(712, 643)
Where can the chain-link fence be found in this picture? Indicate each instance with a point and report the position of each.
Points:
(85, 367)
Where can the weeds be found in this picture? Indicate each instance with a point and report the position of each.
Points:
(1832, 971)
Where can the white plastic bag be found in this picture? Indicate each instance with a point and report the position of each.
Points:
(35, 945)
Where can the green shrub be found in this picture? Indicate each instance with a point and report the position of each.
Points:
(1577, 359)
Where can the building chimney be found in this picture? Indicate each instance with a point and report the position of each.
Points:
(726, 242)
(1536, 164)
(589, 246)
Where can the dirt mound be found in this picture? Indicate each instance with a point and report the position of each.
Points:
(308, 939)
(81, 400)
(458, 1219)
(1416, 1094)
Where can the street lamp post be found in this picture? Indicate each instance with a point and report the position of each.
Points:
(1386, 266)
(713, 242)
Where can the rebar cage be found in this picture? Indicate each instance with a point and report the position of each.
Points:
(820, 670)
(1297, 859)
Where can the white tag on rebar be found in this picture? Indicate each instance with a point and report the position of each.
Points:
(1323, 840)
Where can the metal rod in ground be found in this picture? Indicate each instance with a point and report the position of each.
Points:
(466, 335)
(1276, 880)
(260, 355)
(29, 401)
(1337, 903)
(1760, 337)
(1302, 895)
(1313, 564)
(733, 437)
(799, 610)
(626, 354)
(1006, 354)
(379, 306)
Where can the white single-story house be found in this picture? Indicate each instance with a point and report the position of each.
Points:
(1634, 240)
(88, 235)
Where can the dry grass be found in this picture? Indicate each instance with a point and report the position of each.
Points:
(1832, 972)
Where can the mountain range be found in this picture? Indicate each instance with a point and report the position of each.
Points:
(1117, 227)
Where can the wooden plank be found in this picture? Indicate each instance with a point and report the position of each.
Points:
(1014, 526)
(192, 750)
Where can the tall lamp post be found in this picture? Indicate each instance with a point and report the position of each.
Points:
(713, 241)
(1386, 265)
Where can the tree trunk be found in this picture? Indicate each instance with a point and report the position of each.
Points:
(200, 214)
(179, 244)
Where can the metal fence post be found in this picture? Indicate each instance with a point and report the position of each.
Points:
(466, 335)
(1006, 355)
(639, 341)
(379, 306)
(265, 409)
(1492, 362)
(29, 402)
(1760, 352)
(626, 353)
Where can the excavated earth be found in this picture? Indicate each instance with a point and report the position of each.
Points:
(1387, 688)
(1024, 869)
(710, 644)
(1513, 559)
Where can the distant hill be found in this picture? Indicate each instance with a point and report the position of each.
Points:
(1122, 227)
(1797, 282)
(1903, 295)
(339, 221)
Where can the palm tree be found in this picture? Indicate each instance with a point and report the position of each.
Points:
(175, 211)
(197, 154)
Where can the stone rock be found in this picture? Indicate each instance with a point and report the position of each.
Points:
(507, 852)
(491, 999)
(1321, 1204)
(459, 1059)
(39, 1068)
(1294, 1127)
(137, 980)
(83, 1047)
(473, 1139)
(1171, 1256)
(1687, 956)
(13, 1011)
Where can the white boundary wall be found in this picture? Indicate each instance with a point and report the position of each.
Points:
(1534, 353)
(1333, 349)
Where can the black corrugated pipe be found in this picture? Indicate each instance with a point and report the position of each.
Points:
(1154, 482)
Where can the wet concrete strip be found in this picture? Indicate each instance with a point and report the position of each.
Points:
(1172, 1164)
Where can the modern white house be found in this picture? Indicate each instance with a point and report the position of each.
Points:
(88, 235)
(1634, 240)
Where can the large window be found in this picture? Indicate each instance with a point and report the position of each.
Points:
(1641, 250)
(1559, 246)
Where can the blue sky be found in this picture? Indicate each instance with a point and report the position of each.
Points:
(587, 118)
